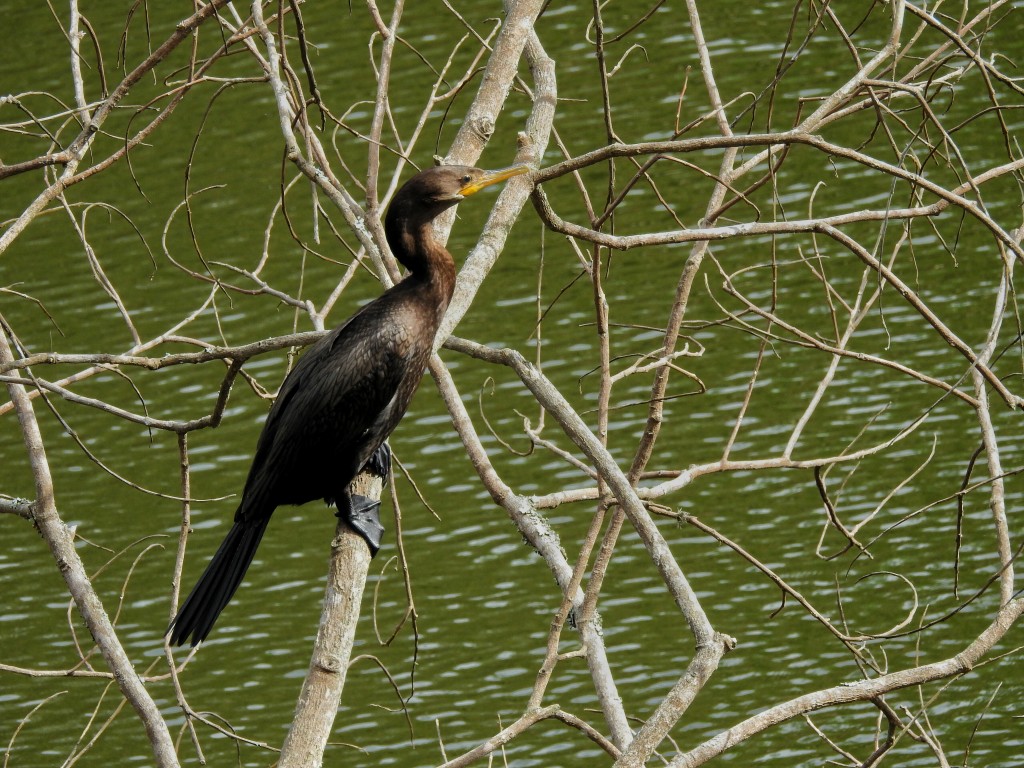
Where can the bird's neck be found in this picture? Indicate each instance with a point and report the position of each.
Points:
(416, 249)
(437, 273)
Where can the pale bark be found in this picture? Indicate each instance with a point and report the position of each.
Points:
(320, 697)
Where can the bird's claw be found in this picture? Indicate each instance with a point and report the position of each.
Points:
(379, 463)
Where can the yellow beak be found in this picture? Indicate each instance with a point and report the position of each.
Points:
(492, 177)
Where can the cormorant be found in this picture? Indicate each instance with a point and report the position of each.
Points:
(345, 395)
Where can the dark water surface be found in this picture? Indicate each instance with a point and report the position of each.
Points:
(484, 600)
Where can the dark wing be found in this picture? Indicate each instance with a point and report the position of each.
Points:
(336, 406)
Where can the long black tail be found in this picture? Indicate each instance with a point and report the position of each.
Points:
(218, 583)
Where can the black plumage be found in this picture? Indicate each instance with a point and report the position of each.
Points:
(345, 395)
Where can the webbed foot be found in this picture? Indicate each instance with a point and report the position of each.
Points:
(363, 515)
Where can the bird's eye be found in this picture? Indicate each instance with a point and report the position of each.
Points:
(466, 179)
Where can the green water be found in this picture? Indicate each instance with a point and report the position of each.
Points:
(484, 600)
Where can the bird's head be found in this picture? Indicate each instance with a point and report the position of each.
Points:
(446, 185)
